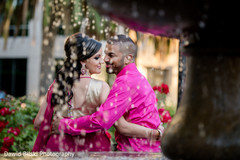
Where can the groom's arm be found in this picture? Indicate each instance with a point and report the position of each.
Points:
(114, 107)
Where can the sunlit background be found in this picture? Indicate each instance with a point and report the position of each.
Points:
(32, 35)
(32, 40)
(25, 39)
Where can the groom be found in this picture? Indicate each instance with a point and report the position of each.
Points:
(131, 96)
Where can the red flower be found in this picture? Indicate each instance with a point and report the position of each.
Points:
(161, 110)
(166, 117)
(16, 131)
(155, 88)
(3, 125)
(8, 142)
(4, 111)
(10, 130)
(159, 89)
(165, 88)
(33, 120)
(3, 149)
(21, 126)
(108, 134)
(8, 111)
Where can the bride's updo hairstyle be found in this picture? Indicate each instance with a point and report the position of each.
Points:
(78, 47)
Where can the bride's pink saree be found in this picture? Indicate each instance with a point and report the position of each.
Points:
(45, 128)
(96, 141)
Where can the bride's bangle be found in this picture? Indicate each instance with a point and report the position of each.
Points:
(151, 134)
(160, 134)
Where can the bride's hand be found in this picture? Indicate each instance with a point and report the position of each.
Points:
(160, 131)
(55, 125)
(156, 134)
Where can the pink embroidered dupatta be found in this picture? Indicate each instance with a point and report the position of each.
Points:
(45, 128)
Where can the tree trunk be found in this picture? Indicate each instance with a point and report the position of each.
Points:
(49, 36)
(7, 24)
(47, 61)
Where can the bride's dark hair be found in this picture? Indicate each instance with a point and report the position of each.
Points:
(78, 47)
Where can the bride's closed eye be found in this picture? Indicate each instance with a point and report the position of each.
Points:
(97, 57)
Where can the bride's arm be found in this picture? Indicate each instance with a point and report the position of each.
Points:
(39, 118)
(131, 129)
(134, 130)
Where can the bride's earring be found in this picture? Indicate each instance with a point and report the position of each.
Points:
(83, 70)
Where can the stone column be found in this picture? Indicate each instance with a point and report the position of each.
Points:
(207, 123)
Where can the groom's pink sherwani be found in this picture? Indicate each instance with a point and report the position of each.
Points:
(131, 96)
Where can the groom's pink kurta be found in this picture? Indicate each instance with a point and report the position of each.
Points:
(131, 96)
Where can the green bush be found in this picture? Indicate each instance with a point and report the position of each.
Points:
(17, 131)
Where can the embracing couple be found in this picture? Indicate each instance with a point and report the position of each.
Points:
(78, 109)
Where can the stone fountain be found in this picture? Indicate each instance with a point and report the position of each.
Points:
(207, 122)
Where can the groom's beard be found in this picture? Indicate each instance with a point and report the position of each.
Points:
(114, 68)
(109, 68)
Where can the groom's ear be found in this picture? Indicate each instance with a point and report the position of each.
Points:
(128, 59)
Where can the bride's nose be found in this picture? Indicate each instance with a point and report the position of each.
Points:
(101, 61)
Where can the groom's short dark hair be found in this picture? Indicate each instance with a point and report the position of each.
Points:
(127, 45)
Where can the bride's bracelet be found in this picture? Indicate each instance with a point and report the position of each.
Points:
(160, 134)
(153, 135)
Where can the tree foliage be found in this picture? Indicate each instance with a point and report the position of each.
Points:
(17, 13)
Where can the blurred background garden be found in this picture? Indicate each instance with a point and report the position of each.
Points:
(32, 35)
